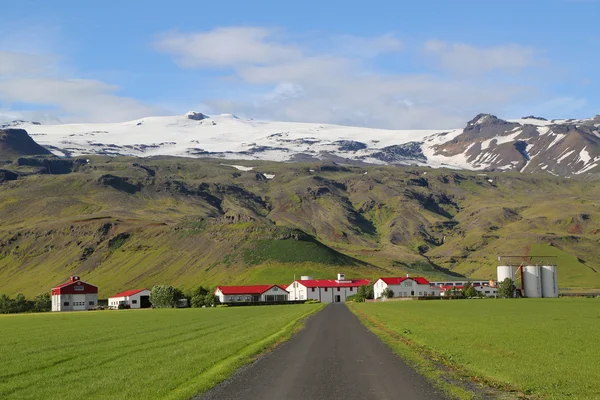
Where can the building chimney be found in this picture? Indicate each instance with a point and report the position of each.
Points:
(408, 275)
(74, 278)
(341, 277)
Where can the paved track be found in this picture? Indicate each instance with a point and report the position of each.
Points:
(333, 357)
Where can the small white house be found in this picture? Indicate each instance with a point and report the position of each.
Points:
(405, 287)
(325, 290)
(137, 298)
(75, 295)
(253, 293)
(486, 290)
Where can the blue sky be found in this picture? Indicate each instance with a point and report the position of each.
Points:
(383, 63)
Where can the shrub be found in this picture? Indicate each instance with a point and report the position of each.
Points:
(355, 298)
(506, 288)
(311, 301)
(222, 305)
(387, 293)
(164, 296)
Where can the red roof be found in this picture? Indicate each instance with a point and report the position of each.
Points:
(74, 286)
(451, 287)
(253, 289)
(128, 293)
(396, 281)
(322, 283)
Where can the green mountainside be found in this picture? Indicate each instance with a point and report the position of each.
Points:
(124, 223)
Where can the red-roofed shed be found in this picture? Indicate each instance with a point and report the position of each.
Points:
(407, 286)
(325, 290)
(74, 295)
(136, 298)
(251, 293)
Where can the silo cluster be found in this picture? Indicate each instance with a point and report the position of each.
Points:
(537, 281)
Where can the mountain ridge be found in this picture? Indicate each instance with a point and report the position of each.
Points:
(487, 143)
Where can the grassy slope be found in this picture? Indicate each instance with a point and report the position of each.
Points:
(541, 347)
(158, 354)
(195, 222)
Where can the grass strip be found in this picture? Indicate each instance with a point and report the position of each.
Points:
(455, 380)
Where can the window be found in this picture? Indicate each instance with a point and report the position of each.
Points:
(275, 288)
(133, 301)
(239, 298)
(248, 298)
(325, 289)
(351, 289)
(487, 291)
(313, 289)
(420, 293)
(66, 304)
(338, 289)
(91, 303)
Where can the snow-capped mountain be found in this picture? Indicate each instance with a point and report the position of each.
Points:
(530, 144)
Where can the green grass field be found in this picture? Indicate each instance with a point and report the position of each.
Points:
(547, 347)
(137, 354)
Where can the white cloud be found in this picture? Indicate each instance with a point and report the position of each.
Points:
(335, 81)
(14, 63)
(74, 99)
(34, 80)
(466, 59)
(226, 47)
(366, 46)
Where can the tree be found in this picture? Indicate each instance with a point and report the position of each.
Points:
(198, 296)
(366, 291)
(42, 302)
(6, 304)
(370, 291)
(211, 300)
(20, 303)
(469, 291)
(387, 293)
(506, 288)
(165, 296)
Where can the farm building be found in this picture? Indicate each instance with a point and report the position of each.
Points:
(325, 290)
(486, 290)
(254, 293)
(74, 295)
(137, 298)
(405, 287)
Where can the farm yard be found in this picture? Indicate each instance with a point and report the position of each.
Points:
(157, 354)
(546, 348)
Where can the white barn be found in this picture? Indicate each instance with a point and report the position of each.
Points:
(253, 293)
(325, 290)
(405, 287)
(74, 295)
(137, 298)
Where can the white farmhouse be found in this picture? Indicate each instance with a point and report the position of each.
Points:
(74, 295)
(405, 287)
(137, 298)
(254, 293)
(325, 290)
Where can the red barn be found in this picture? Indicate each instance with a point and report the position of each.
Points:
(74, 295)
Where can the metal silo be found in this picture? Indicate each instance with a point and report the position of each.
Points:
(505, 271)
(532, 279)
(549, 281)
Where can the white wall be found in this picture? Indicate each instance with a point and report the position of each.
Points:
(325, 295)
(134, 301)
(275, 291)
(407, 288)
(77, 302)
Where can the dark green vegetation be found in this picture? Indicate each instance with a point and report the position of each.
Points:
(540, 347)
(124, 223)
(20, 304)
(151, 354)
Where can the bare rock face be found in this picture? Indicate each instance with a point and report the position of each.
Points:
(196, 116)
(17, 142)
